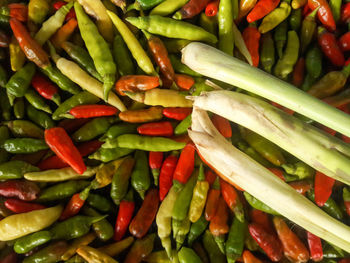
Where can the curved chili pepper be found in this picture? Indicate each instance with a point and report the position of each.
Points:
(223, 125)
(136, 83)
(183, 81)
(155, 160)
(46, 88)
(140, 177)
(64, 33)
(323, 188)
(261, 9)
(92, 111)
(163, 128)
(166, 175)
(298, 72)
(125, 212)
(315, 246)
(177, 113)
(19, 206)
(212, 8)
(185, 165)
(232, 199)
(251, 36)
(21, 189)
(324, 13)
(192, 8)
(75, 204)
(212, 200)
(330, 47)
(60, 143)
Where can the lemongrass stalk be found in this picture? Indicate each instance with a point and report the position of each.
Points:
(318, 149)
(239, 169)
(213, 63)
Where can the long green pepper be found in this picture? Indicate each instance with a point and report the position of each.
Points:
(214, 253)
(92, 129)
(225, 21)
(39, 117)
(37, 101)
(267, 52)
(29, 242)
(122, 57)
(280, 37)
(235, 241)
(15, 169)
(197, 228)
(313, 62)
(107, 155)
(140, 177)
(102, 228)
(24, 145)
(19, 83)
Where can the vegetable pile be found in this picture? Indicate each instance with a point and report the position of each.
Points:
(114, 148)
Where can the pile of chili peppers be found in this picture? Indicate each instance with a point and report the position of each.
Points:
(95, 161)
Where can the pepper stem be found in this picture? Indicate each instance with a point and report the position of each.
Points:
(312, 15)
(201, 175)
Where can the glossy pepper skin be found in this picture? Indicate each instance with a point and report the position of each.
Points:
(232, 199)
(125, 212)
(140, 249)
(29, 242)
(45, 88)
(214, 253)
(19, 83)
(315, 247)
(136, 83)
(94, 255)
(324, 13)
(163, 128)
(212, 200)
(19, 206)
(142, 115)
(51, 253)
(267, 52)
(75, 204)
(21, 189)
(323, 188)
(177, 113)
(155, 161)
(192, 8)
(330, 47)
(166, 175)
(92, 111)
(140, 177)
(235, 240)
(261, 9)
(102, 228)
(185, 165)
(197, 228)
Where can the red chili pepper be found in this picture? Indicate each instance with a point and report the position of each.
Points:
(330, 47)
(46, 88)
(212, 8)
(345, 13)
(71, 125)
(191, 9)
(344, 42)
(248, 257)
(33, 51)
(89, 147)
(155, 160)
(166, 175)
(141, 223)
(92, 111)
(278, 173)
(61, 144)
(136, 83)
(75, 204)
(261, 9)
(261, 218)
(185, 165)
(210, 177)
(125, 212)
(298, 72)
(251, 36)
(212, 200)
(19, 11)
(324, 13)
(19, 206)
(222, 125)
(323, 188)
(177, 113)
(306, 10)
(345, 138)
(301, 186)
(267, 241)
(232, 199)
(21, 189)
(162, 128)
(184, 82)
(315, 246)
(71, 14)
(218, 224)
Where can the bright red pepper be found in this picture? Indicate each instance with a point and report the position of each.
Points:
(324, 13)
(315, 246)
(75, 204)
(162, 128)
(155, 160)
(212, 200)
(92, 111)
(251, 36)
(33, 51)
(136, 83)
(323, 188)
(248, 257)
(191, 9)
(218, 225)
(71, 14)
(166, 175)
(298, 72)
(261, 218)
(212, 8)
(330, 47)
(141, 223)
(45, 88)
(185, 165)
(222, 125)
(210, 177)
(261, 9)
(301, 186)
(184, 82)
(345, 13)
(344, 42)
(267, 241)
(232, 199)
(19, 206)
(21, 189)
(278, 172)
(61, 144)
(71, 125)
(177, 113)
(125, 212)
(19, 11)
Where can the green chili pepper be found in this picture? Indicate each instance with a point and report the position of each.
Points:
(37, 101)
(330, 207)
(99, 202)
(140, 177)
(19, 83)
(102, 228)
(187, 255)
(286, 63)
(276, 17)
(197, 228)
(251, 152)
(15, 169)
(5, 105)
(210, 24)
(307, 31)
(175, 45)
(119, 129)
(257, 204)
(98, 49)
(29, 242)
(92, 129)
(214, 253)
(182, 232)
(297, 171)
(250, 243)
(182, 68)
(81, 98)
(24, 128)
(62, 190)
(313, 62)
(82, 57)
(148, 4)
(182, 127)
(4, 135)
(335, 6)
(49, 254)
(76, 259)
(235, 240)
(168, 7)
(280, 37)
(61, 80)
(171, 28)
(107, 155)
(308, 82)
(198, 87)
(225, 21)
(38, 10)
(3, 77)
(122, 57)
(24, 145)
(18, 108)
(295, 19)
(120, 181)
(39, 117)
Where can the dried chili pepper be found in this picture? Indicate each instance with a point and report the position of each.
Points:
(315, 246)
(324, 13)
(192, 8)
(166, 175)
(19, 206)
(21, 189)
(330, 47)
(177, 113)
(125, 212)
(185, 165)
(155, 160)
(46, 88)
(232, 199)
(212, 8)
(223, 125)
(75, 204)
(136, 83)
(323, 188)
(212, 200)
(261, 9)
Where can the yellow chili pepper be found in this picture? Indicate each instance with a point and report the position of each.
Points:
(274, 18)
(92, 255)
(161, 257)
(105, 173)
(17, 57)
(84, 240)
(38, 10)
(116, 248)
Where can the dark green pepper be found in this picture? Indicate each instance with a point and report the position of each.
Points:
(20, 81)
(102, 228)
(37, 101)
(18, 108)
(313, 62)
(119, 129)
(197, 228)
(15, 169)
(308, 82)
(122, 57)
(107, 155)
(24, 128)
(39, 117)
(31, 241)
(148, 4)
(99, 202)
(235, 241)
(182, 127)
(280, 37)
(5, 105)
(4, 135)
(257, 204)
(3, 77)
(267, 53)
(331, 252)
(330, 207)
(140, 177)
(92, 129)
(295, 19)
(49, 254)
(214, 253)
(24, 145)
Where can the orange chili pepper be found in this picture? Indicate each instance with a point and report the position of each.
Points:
(248, 257)
(185, 165)
(212, 200)
(222, 125)
(143, 115)
(184, 82)
(218, 225)
(64, 33)
(324, 13)
(261, 9)
(251, 36)
(136, 83)
(177, 113)
(212, 8)
(298, 72)
(232, 199)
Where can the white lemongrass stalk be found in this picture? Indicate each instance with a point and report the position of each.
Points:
(318, 149)
(241, 170)
(213, 63)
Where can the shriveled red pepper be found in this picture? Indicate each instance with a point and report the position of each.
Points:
(71, 125)
(344, 42)
(212, 200)
(136, 83)
(345, 13)
(177, 113)
(315, 246)
(141, 223)
(330, 47)
(248, 257)
(71, 14)
(92, 111)
(299, 72)
(75, 204)
(21, 189)
(19, 11)
(191, 9)
(278, 172)
(324, 13)
(61, 144)
(261, 9)
(125, 212)
(251, 36)
(19, 206)
(155, 160)
(33, 51)
(232, 199)
(267, 241)
(323, 188)
(64, 33)
(293, 248)
(212, 8)
(210, 177)
(301, 186)
(218, 225)
(185, 165)
(184, 82)
(45, 88)
(162, 128)
(261, 218)
(222, 125)
(166, 175)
